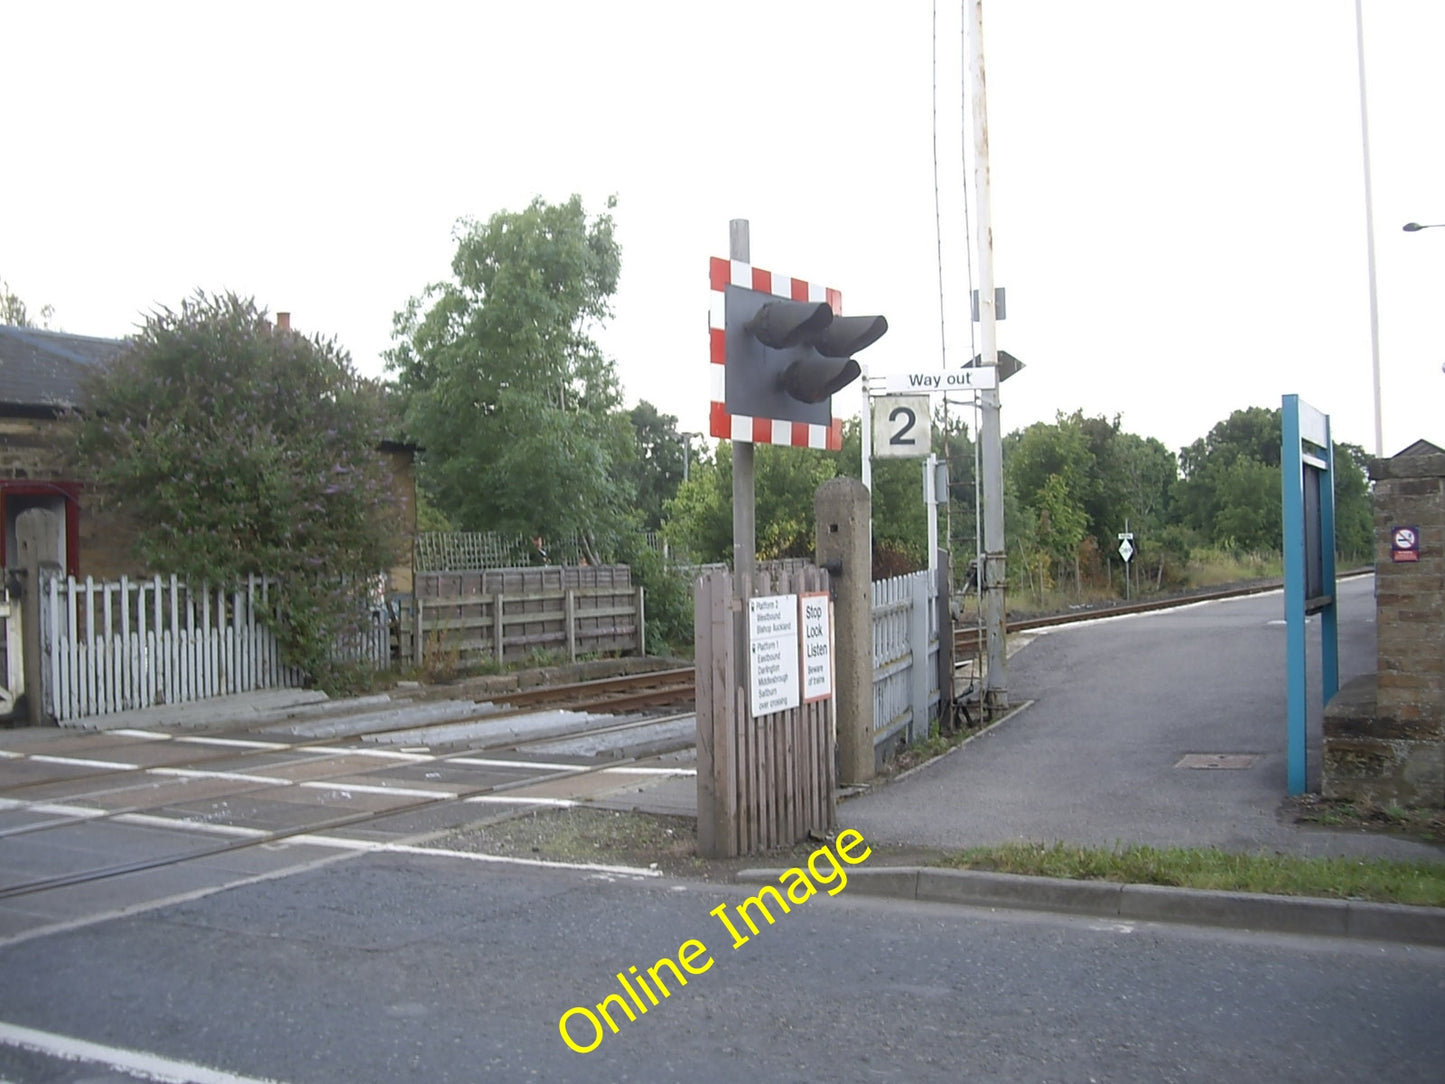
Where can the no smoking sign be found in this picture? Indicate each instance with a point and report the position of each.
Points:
(1404, 544)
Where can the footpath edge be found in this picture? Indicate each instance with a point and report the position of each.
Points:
(1359, 919)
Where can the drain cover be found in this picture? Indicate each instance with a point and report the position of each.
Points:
(1223, 761)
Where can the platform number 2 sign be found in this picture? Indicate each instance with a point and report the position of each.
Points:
(902, 426)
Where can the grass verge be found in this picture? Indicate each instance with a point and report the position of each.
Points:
(1381, 880)
(1423, 824)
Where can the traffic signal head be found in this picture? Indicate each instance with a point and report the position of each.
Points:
(813, 347)
(785, 353)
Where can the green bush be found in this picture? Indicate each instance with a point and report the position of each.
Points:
(237, 449)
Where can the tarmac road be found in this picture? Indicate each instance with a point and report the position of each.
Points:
(1116, 704)
(390, 968)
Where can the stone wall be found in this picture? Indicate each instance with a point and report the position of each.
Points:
(1385, 732)
(32, 451)
(28, 449)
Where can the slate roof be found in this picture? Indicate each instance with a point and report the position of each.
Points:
(44, 369)
(1421, 447)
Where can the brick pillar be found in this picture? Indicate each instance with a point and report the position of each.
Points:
(1385, 733)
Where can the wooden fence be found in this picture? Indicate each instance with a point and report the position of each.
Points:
(474, 551)
(118, 645)
(761, 782)
(510, 615)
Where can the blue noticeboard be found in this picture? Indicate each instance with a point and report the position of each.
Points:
(1307, 467)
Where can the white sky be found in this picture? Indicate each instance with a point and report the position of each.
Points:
(1177, 186)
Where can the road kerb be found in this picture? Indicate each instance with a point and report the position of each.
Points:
(1240, 910)
(1145, 903)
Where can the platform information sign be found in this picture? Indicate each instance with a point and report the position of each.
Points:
(773, 651)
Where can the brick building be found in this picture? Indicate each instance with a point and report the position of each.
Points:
(42, 378)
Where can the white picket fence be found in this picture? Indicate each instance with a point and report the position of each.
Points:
(119, 645)
(12, 672)
(906, 643)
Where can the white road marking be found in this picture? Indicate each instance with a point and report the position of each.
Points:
(151, 821)
(360, 788)
(560, 803)
(59, 810)
(81, 762)
(485, 762)
(234, 743)
(148, 735)
(651, 771)
(233, 777)
(472, 856)
(148, 1066)
(388, 754)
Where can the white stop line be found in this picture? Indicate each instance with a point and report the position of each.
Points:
(135, 1062)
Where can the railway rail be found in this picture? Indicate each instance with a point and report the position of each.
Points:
(279, 764)
(966, 641)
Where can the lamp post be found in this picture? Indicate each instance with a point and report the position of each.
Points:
(1416, 227)
(687, 439)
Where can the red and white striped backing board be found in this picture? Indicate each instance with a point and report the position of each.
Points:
(741, 427)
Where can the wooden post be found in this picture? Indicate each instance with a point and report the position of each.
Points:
(641, 624)
(569, 617)
(499, 632)
(717, 807)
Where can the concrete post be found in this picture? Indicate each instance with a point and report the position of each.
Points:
(37, 540)
(844, 509)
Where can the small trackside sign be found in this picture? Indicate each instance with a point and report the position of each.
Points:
(1404, 544)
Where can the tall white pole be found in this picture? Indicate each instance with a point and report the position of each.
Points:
(865, 431)
(1370, 236)
(744, 503)
(994, 573)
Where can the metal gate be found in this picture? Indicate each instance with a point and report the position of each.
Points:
(12, 669)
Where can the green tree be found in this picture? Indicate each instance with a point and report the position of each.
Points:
(1248, 512)
(1354, 513)
(13, 310)
(657, 468)
(239, 449)
(698, 520)
(1229, 489)
(785, 481)
(1062, 524)
(505, 387)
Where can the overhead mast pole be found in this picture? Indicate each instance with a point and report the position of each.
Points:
(994, 574)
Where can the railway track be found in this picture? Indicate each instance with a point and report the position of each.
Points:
(242, 838)
(85, 788)
(966, 641)
(275, 765)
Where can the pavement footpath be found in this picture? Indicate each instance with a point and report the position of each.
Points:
(1164, 729)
